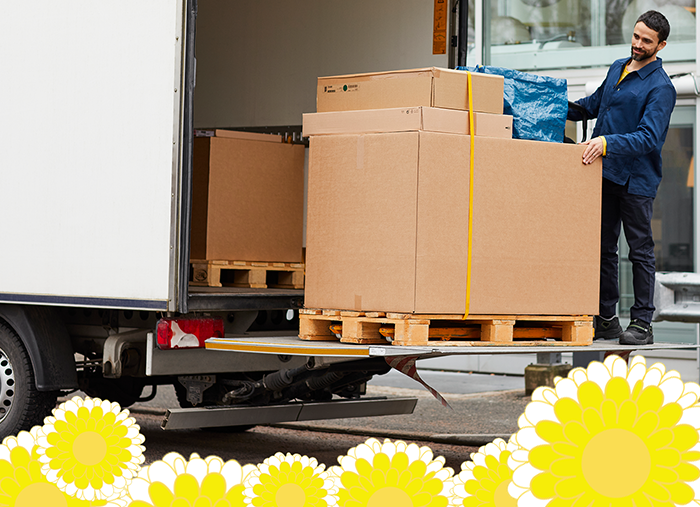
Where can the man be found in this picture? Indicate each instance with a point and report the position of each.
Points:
(633, 107)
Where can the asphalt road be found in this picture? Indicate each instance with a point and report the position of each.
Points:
(483, 407)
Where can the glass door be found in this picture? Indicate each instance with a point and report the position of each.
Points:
(672, 223)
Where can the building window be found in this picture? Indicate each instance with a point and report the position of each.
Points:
(551, 34)
(672, 222)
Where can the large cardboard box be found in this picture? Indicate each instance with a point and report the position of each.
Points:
(388, 222)
(405, 119)
(432, 87)
(247, 200)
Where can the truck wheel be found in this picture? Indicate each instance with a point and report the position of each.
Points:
(21, 405)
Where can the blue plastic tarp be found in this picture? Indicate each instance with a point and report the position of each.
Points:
(538, 104)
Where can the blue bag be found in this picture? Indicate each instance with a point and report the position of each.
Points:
(538, 104)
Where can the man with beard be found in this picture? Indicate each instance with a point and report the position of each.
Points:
(633, 109)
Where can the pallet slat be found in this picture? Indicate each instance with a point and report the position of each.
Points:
(445, 330)
(252, 275)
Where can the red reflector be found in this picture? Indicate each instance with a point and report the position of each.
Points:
(184, 333)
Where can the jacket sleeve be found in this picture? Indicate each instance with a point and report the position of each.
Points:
(591, 103)
(654, 123)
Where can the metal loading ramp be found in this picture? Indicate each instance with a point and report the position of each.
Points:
(292, 345)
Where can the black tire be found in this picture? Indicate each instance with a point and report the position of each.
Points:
(22, 406)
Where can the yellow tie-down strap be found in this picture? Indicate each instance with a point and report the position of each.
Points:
(471, 193)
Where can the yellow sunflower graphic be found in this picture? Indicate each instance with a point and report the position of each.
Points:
(90, 448)
(290, 480)
(395, 474)
(484, 480)
(176, 482)
(610, 435)
(21, 482)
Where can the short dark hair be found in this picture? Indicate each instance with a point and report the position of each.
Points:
(657, 22)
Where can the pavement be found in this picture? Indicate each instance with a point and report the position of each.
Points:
(483, 407)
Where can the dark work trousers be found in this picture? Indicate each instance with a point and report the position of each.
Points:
(634, 212)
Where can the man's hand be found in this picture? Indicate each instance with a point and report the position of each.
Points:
(594, 149)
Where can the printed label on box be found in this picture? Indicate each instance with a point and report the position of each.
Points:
(341, 88)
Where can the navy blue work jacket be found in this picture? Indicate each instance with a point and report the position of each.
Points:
(634, 117)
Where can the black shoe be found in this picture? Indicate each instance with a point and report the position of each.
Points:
(607, 329)
(637, 333)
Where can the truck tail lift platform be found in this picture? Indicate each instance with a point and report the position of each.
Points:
(338, 353)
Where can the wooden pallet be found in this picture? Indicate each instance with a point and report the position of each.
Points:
(444, 330)
(253, 275)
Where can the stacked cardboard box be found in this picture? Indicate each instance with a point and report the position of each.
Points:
(389, 203)
(247, 198)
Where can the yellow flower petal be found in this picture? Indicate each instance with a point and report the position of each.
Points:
(381, 462)
(608, 410)
(684, 437)
(650, 399)
(681, 493)
(418, 468)
(576, 433)
(363, 467)
(590, 395)
(543, 484)
(660, 439)
(186, 486)
(646, 424)
(542, 456)
(19, 457)
(667, 457)
(670, 414)
(569, 487)
(213, 486)
(627, 414)
(567, 410)
(617, 390)
(687, 472)
(566, 467)
(593, 421)
(235, 496)
(160, 494)
(663, 474)
(550, 431)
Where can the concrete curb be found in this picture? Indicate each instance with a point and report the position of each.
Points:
(472, 440)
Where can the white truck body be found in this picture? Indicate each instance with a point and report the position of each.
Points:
(92, 166)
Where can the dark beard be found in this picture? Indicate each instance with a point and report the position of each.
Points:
(644, 56)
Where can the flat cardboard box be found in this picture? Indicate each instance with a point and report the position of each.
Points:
(388, 215)
(247, 200)
(431, 87)
(406, 119)
(238, 134)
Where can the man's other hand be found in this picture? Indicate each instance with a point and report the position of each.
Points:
(594, 149)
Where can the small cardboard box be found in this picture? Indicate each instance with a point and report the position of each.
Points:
(431, 87)
(405, 119)
(388, 222)
(247, 200)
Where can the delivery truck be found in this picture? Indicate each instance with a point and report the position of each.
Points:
(100, 103)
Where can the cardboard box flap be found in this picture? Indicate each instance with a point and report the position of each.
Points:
(388, 73)
(451, 92)
(405, 120)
